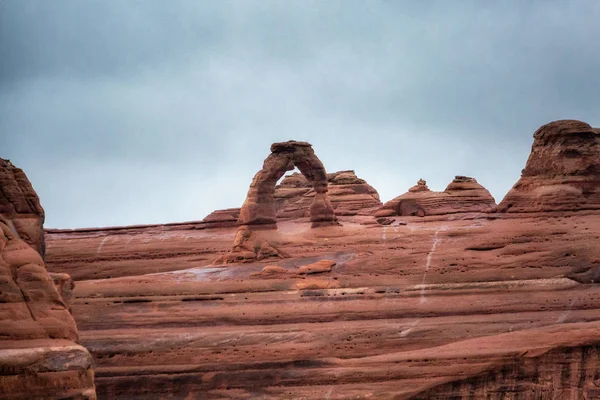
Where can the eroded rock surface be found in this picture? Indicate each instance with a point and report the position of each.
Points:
(562, 172)
(38, 354)
(20, 204)
(462, 195)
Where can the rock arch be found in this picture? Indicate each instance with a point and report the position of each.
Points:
(259, 208)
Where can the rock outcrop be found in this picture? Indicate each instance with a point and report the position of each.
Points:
(38, 354)
(562, 172)
(259, 207)
(259, 211)
(20, 204)
(462, 195)
(349, 195)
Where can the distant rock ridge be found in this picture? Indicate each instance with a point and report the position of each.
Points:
(562, 172)
(20, 204)
(348, 194)
(462, 195)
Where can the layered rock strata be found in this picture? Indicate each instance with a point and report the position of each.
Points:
(462, 195)
(562, 172)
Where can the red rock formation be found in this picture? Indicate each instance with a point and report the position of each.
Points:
(20, 204)
(562, 172)
(259, 210)
(38, 356)
(259, 207)
(462, 195)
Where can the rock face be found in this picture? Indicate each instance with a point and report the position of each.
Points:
(39, 356)
(562, 172)
(462, 195)
(259, 207)
(20, 204)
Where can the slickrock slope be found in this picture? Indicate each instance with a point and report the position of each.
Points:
(462, 195)
(20, 203)
(562, 172)
(374, 325)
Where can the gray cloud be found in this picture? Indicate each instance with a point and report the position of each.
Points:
(132, 111)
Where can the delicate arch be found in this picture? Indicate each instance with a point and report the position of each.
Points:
(259, 207)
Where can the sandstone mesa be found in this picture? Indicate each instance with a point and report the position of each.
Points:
(314, 289)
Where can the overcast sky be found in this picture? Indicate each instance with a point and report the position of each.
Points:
(130, 111)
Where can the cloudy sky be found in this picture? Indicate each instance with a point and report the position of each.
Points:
(131, 111)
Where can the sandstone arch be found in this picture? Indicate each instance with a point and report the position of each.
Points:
(259, 208)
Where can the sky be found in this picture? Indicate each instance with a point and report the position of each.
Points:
(134, 112)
